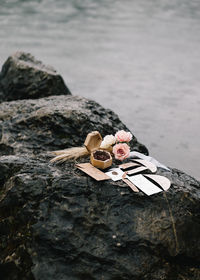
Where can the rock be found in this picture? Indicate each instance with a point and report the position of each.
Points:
(52, 123)
(57, 223)
(24, 77)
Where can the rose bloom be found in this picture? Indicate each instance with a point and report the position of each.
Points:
(123, 136)
(108, 141)
(121, 151)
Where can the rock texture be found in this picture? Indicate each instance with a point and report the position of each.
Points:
(58, 122)
(56, 223)
(24, 77)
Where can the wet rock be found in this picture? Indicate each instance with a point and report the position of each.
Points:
(57, 223)
(24, 77)
(58, 122)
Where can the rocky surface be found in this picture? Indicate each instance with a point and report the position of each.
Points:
(57, 122)
(24, 77)
(56, 223)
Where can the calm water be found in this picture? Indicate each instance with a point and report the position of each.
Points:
(140, 58)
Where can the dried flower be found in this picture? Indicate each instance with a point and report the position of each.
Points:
(123, 136)
(108, 141)
(121, 151)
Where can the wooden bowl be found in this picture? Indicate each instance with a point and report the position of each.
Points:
(102, 164)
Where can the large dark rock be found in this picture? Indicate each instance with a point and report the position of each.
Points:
(58, 122)
(24, 77)
(56, 223)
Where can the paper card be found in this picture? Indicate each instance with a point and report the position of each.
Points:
(92, 171)
(136, 170)
(144, 184)
(163, 182)
(128, 165)
(146, 163)
(115, 174)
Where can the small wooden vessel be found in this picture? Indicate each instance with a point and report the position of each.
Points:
(99, 158)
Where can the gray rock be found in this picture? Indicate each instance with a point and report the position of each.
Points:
(58, 122)
(56, 223)
(24, 77)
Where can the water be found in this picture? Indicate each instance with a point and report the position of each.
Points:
(140, 58)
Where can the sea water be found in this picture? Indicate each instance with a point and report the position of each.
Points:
(141, 58)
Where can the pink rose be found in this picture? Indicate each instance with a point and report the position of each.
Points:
(123, 136)
(121, 151)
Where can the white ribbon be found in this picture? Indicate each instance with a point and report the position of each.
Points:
(148, 158)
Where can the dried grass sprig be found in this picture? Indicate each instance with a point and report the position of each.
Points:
(71, 153)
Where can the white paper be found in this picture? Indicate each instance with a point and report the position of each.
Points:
(115, 174)
(163, 182)
(144, 184)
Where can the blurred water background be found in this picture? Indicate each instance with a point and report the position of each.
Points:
(141, 58)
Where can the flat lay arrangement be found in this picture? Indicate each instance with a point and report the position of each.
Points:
(138, 173)
(134, 175)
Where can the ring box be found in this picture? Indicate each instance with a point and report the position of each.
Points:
(98, 157)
